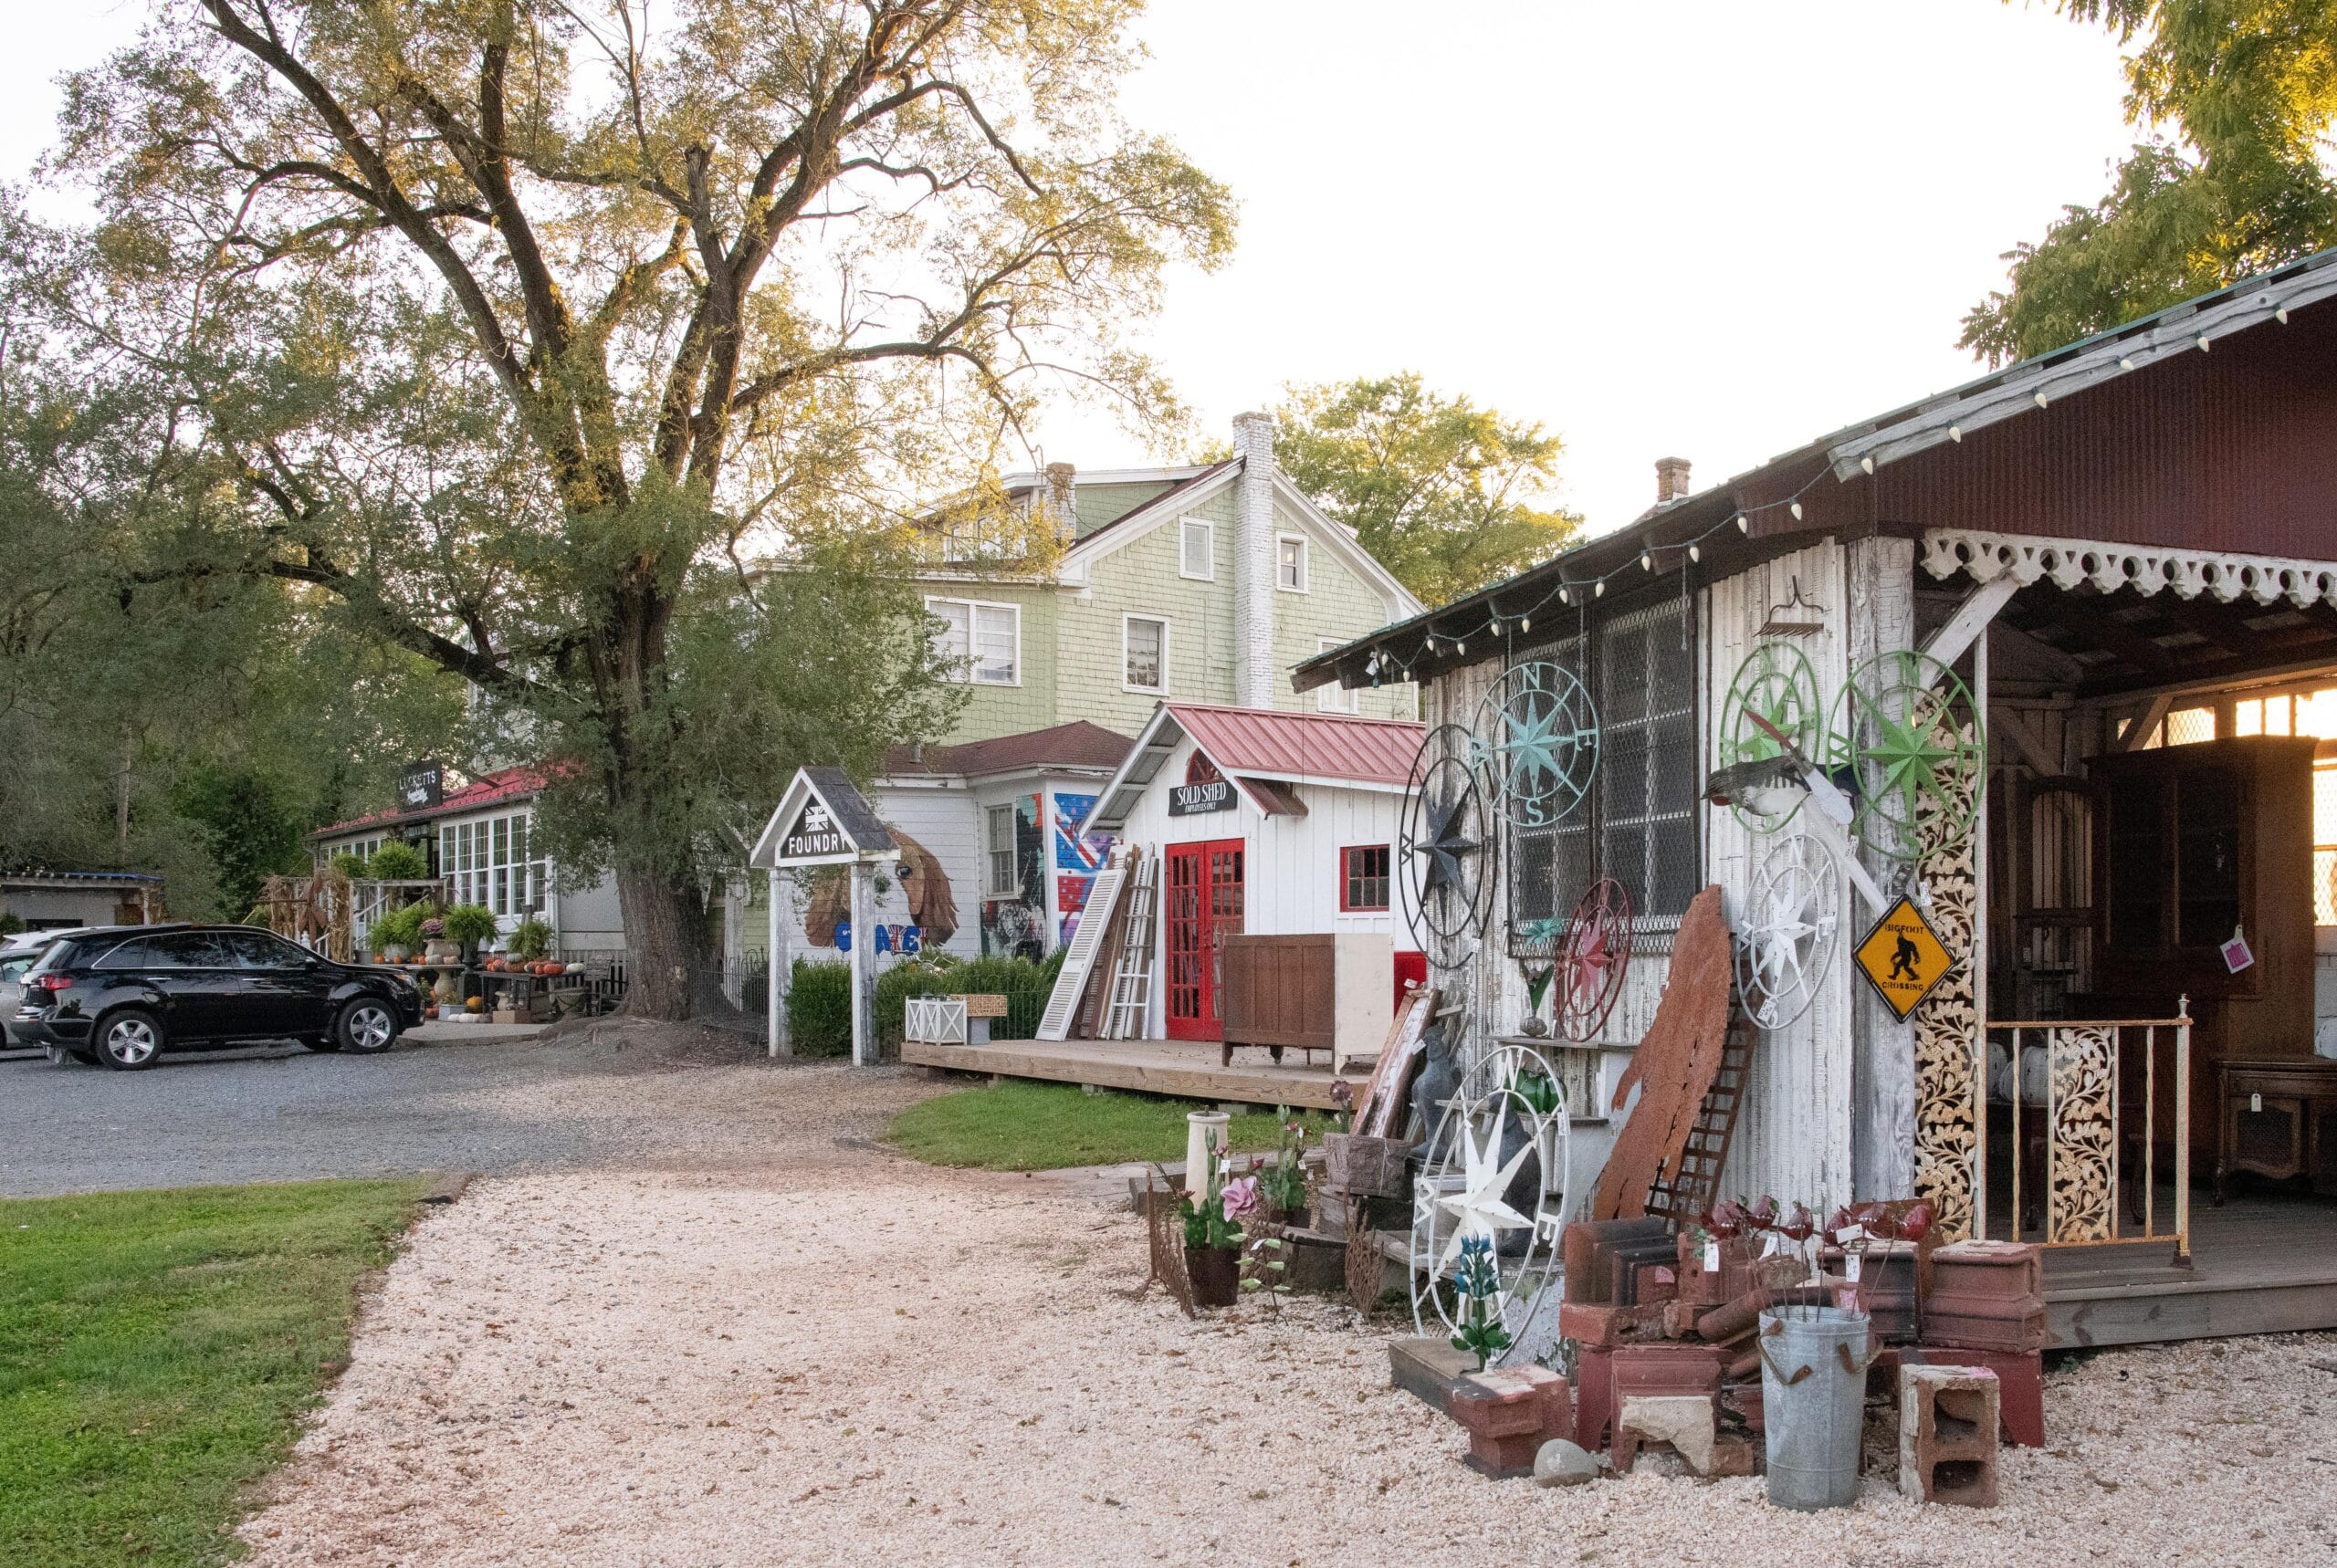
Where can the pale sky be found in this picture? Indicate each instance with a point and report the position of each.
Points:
(1713, 228)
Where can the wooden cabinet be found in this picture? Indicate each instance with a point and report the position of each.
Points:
(1319, 991)
(2194, 843)
(2280, 1120)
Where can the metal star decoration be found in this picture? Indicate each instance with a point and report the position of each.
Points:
(1480, 1208)
(1447, 840)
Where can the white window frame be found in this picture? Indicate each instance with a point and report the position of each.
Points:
(1305, 567)
(969, 669)
(511, 881)
(991, 854)
(1334, 697)
(1128, 686)
(1185, 527)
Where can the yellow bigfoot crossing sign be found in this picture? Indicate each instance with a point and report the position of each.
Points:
(1904, 957)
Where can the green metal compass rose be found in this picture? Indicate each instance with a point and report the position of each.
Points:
(1909, 735)
(1538, 743)
(1775, 693)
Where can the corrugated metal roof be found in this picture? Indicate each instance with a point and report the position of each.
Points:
(1276, 744)
(487, 789)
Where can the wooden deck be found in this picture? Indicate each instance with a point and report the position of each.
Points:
(1184, 1068)
(2259, 1265)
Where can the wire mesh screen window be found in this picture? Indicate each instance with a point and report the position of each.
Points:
(1639, 823)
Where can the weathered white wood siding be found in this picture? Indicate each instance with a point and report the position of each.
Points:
(1793, 1133)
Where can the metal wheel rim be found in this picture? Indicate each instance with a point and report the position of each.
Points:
(1483, 1101)
(369, 1027)
(1786, 935)
(1537, 743)
(1776, 681)
(130, 1039)
(1591, 959)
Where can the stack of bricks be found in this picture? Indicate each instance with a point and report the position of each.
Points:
(1947, 1434)
(1509, 1414)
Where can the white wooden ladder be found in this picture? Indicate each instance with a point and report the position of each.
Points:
(1131, 999)
(1095, 919)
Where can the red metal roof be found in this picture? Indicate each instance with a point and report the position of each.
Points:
(488, 789)
(1277, 745)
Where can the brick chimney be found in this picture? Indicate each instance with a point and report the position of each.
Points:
(1671, 479)
(1253, 561)
(1062, 496)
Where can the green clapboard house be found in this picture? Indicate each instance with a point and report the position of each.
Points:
(1205, 583)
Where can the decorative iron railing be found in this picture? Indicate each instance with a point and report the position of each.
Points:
(2088, 1103)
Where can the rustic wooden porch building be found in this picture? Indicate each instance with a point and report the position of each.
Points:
(2105, 582)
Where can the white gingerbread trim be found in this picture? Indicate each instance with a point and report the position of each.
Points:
(2223, 575)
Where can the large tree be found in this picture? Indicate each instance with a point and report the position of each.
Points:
(524, 326)
(1447, 495)
(2237, 99)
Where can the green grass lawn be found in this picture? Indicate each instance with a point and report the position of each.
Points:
(158, 1351)
(1025, 1126)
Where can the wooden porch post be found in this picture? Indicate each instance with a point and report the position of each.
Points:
(780, 973)
(864, 971)
(1880, 572)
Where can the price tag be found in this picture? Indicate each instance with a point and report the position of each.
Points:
(2255, 1102)
(1850, 1267)
(1712, 1256)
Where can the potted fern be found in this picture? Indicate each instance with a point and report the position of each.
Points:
(468, 924)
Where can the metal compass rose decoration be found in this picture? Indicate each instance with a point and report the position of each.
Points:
(1786, 932)
(1446, 847)
(1591, 958)
(1773, 694)
(1537, 742)
(1910, 736)
(1495, 1166)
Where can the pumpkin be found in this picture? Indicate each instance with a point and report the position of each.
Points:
(476, 1004)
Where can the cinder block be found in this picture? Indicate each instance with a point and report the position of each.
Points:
(2020, 1382)
(1654, 1370)
(1594, 1396)
(1947, 1434)
(1609, 1325)
(1509, 1413)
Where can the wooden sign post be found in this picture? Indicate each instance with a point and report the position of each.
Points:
(822, 820)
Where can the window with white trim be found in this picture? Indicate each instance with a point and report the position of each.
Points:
(999, 841)
(493, 861)
(1144, 653)
(1290, 563)
(1640, 823)
(980, 643)
(1334, 697)
(1196, 546)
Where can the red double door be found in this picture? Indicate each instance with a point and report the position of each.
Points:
(1203, 908)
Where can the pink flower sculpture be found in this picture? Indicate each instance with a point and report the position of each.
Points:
(1241, 1198)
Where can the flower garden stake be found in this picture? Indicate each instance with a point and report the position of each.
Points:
(1476, 1281)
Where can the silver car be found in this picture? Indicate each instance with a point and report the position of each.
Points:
(14, 960)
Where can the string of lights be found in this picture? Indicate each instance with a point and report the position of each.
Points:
(1439, 636)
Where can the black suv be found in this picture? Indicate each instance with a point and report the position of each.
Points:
(126, 994)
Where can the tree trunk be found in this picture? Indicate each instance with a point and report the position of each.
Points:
(665, 941)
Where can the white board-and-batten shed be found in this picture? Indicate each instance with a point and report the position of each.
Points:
(1290, 819)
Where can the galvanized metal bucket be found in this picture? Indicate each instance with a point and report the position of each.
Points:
(1813, 1404)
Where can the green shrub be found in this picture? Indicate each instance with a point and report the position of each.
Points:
(1024, 985)
(470, 923)
(819, 1008)
(352, 866)
(398, 862)
(398, 927)
(10, 925)
(530, 940)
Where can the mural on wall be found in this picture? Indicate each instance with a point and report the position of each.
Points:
(933, 905)
(1078, 857)
(1017, 927)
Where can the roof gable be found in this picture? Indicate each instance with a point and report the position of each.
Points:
(1262, 750)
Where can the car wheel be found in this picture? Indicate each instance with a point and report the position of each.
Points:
(367, 1025)
(129, 1039)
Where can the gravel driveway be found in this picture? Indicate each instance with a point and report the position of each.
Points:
(448, 1098)
(829, 1355)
